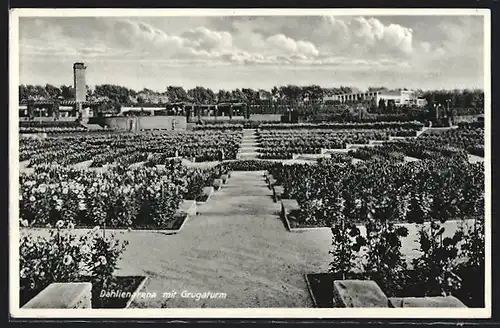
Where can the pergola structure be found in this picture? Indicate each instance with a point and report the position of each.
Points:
(192, 109)
(53, 108)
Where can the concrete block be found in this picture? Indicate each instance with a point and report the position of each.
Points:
(278, 192)
(188, 207)
(358, 294)
(217, 184)
(208, 191)
(63, 296)
(287, 206)
(427, 302)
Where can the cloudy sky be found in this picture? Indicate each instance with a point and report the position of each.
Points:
(255, 51)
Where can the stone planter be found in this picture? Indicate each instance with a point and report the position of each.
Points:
(358, 294)
(206, 193)
(217, 184)
(426, 302)
(75, 295)
(277, 193)
(188, 207)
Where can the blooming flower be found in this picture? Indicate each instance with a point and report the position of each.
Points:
(85, 249)
(82, 206)
(32, 198)
(103, 260)
(23, 273)
(67, 259)
(71, 225)
(59, 224)
(24, 223)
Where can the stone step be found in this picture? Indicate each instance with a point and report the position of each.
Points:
(246, 155)
(248, 149)
(334, 150)
(354, 146)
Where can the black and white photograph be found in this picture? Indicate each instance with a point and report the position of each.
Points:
(256, 163)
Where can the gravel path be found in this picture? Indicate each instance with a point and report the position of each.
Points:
(237, 245)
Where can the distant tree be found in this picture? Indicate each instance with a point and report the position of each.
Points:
(238, 95)
(381, 105)
(52, 92)
(176, 94)
(315, 93)
(223, 96)
(251, 95)
(200, 95)
(67, 92)
(275, 92)
(390, 106)
(23, 92)
(264, 94)
(291, 93)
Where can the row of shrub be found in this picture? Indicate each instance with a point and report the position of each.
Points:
(412, 125)
(120, 197)
(437, 189)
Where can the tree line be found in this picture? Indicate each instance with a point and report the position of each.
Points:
(287, 94)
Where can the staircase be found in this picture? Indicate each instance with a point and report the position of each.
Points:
(249, 145)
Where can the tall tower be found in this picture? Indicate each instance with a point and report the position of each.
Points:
(79, 82)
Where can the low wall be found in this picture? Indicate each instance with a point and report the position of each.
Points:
(465, 118)
(253, 117)
(146, 122)
(63, 296)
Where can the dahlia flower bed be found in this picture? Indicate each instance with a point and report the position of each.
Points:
(119, 197)
(413, 125)
(220, 127)
(248, 165)
(466, 138)
(68, 256)
(423, 149)
(50, 127)
(52, 130)
(374, 153)
(416, 192)
(66, 156)
(282, 144)
(127, 148)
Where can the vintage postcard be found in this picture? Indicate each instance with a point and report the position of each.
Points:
(250, 163)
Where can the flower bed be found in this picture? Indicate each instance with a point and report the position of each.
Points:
(415, 192)
(282, 144)
(107, 148)
(249, 165)
(67, 256)
(471, 293)
(375, 153)
(412, 125)
(220, 127)
(120, 197)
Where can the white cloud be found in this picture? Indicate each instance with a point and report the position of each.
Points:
(338, 43)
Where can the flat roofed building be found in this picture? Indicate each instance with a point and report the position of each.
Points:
(400, 97)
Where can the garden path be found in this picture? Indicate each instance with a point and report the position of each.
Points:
(236, 245)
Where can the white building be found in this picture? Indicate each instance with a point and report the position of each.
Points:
(400, 97)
